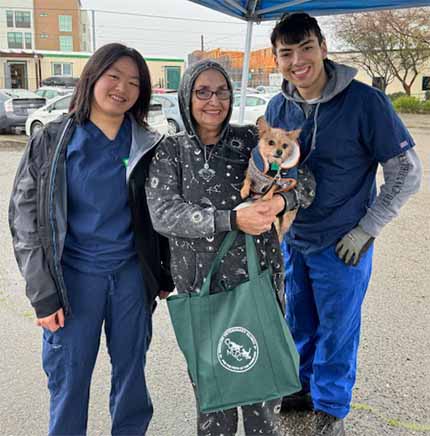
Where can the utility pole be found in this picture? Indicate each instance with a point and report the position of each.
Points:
(93, 23)
(202, 43)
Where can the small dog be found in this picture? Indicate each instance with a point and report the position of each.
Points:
(273, 167)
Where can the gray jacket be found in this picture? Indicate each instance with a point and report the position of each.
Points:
(38, 215)
(193, 208)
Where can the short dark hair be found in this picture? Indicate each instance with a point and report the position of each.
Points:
(294, 28)
(97, 64)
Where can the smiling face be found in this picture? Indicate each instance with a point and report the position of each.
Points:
(117, 89)
(209, 115)
(302, 65)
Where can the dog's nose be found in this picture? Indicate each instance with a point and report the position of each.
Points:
(279, 153)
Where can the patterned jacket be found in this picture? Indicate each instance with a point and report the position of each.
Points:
(192, 206)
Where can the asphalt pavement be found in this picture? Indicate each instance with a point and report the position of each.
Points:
(391, 397)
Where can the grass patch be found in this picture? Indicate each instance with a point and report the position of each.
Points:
(413, 426)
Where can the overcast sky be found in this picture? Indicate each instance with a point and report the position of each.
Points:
(158, 37)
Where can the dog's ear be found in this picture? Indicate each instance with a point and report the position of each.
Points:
(262, 125)
(294, 134)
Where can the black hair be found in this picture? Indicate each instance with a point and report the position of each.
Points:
(97, 64)
(294, 28)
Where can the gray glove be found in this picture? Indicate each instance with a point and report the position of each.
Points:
(353, 245)
(304, 193)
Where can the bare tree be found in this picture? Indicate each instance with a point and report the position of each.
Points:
(381, 49)
(413, 23)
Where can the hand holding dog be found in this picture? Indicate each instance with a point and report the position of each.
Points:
(259, 216)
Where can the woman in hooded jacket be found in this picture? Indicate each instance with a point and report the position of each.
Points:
(193, 189)
(85, 245)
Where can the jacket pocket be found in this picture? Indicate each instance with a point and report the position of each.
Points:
(42, 198)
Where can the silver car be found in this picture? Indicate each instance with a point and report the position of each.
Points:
(171, 111)
(60, 105)
(15, 106)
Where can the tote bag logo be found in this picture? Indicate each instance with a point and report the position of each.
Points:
(237, 350)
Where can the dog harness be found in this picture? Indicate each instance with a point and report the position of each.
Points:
(263, 176)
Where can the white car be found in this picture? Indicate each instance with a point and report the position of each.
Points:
(56, 107)
(60, 105)
(50, 92)
(255, 107)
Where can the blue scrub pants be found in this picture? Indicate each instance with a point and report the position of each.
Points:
(323, 309)
(69, 355)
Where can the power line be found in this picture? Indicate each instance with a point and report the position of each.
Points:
(137, 14)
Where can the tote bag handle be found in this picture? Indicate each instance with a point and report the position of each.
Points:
(227, 243)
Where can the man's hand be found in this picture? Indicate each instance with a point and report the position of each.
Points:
(52, 322)
(353, 245)
(258, 217)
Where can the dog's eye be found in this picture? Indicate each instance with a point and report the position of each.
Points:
(272, 142)
(284, 145)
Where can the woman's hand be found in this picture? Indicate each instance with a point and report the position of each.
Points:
(258, 217)
(52, 322)
(276, 204)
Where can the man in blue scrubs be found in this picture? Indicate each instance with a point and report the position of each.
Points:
(348, 129)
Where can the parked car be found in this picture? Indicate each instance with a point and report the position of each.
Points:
(60, 105)
(66, 81)
(15, 107)
(50, 92)
(237, 90)
(262, 89)
(56, 107)
(171, 111)
(163, 91)
(157, 120)
(255, 106)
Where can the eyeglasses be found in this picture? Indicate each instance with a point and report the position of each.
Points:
(206, 94)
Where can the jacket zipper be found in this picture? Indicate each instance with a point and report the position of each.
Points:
(57, 266)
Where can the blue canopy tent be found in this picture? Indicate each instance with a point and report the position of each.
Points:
(255, 11)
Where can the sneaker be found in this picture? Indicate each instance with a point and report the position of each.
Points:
(327, 425)
(299, 401)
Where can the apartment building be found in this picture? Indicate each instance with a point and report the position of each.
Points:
(41, 38)
(16, 32)
(58, 26)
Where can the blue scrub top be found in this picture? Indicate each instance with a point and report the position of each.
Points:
(355, 131)
(99, 233)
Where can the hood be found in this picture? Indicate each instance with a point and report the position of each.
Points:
(142, 140)
(185, 93)
(339, 77)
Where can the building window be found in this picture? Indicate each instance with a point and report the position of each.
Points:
(22, 19)
(9, 18)
(44, 36)
(28, 40)
(65, 23)
(62, 69)
(426, 83)
(43, 14)
(14, 39)
(66, 43)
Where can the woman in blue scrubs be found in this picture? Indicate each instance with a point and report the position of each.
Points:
(85, 244)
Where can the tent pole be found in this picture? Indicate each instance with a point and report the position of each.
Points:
(245, 70)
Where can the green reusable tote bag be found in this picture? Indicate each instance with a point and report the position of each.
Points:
(237, 345)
